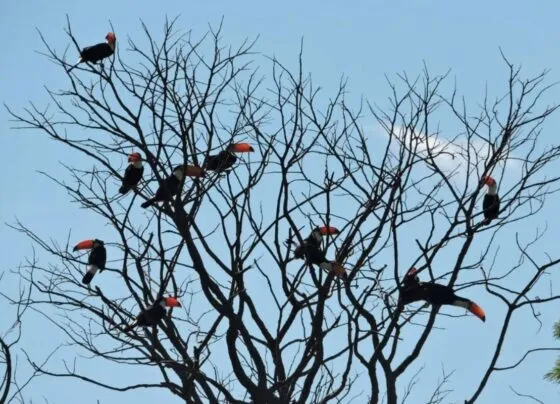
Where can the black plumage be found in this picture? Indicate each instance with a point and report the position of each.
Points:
(168, 188)
(491, 207)
(413, 290)
(222, 161)
(152, 315)
(491, 201)
(311, 250)
(98, 52)
(133, 173)
(225, 159)
(96, 260)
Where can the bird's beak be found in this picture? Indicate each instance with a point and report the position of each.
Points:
(412, 271)
(477, 311)
(172, 302)
(324, 230)
(84, 245)
(193, 171)
(134, 157)
(487, 180)
(242, 148)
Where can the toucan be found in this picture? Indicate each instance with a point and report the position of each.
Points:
(152, 315)
(133, 173)
(491, 201)
(97, 257)
(312, 252)
(95, 53)
(413, 290)
(170, 186)
(225, 159)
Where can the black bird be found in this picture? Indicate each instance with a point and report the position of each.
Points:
(311, 249)
(95, 53)
(491, 201)
(133, 173)
(225, 159)
(152, 315)
(413, 290)
(170, 186)
(97, 257)
(312, 253)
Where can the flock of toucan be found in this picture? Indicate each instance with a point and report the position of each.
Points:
(311, 251)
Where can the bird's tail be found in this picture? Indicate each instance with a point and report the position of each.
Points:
(123, 190)
(470, 306)
(92, 269)
(148, 203)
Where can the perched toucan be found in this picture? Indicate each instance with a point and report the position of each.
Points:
(133, 173)
(312, 253)
(225, 159)
(170, 186)
(95, 53)
(152, 315)
(413, 290)
(311, 249)
(491, 202)
(97, 257)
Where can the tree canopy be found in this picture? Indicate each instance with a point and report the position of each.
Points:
(258, 322)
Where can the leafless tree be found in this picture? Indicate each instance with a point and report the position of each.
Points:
(257, 325)
(10, 390)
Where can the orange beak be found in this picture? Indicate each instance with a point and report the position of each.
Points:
(242, 148)
(477, 311)
(324, 230)
(134, 157)
(172, 302)
(194, 171)
(84, 245)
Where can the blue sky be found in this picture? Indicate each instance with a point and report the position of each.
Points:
(362, 40)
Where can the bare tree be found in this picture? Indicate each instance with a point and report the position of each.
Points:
(10, 389)
(256, 324)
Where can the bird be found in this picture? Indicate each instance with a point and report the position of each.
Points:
(170, 186)
(97, 257)
(311, 250)
(153, 314)
(133, 173)
(413, 290)
(100, 51)
(225, 159)
(491, 201)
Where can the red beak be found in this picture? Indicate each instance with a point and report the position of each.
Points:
(134, 157)
(487, 180)
(172, 302)
(324, 230)
(242, 148)
(84, 245)
(412, 271)
(477, 311)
